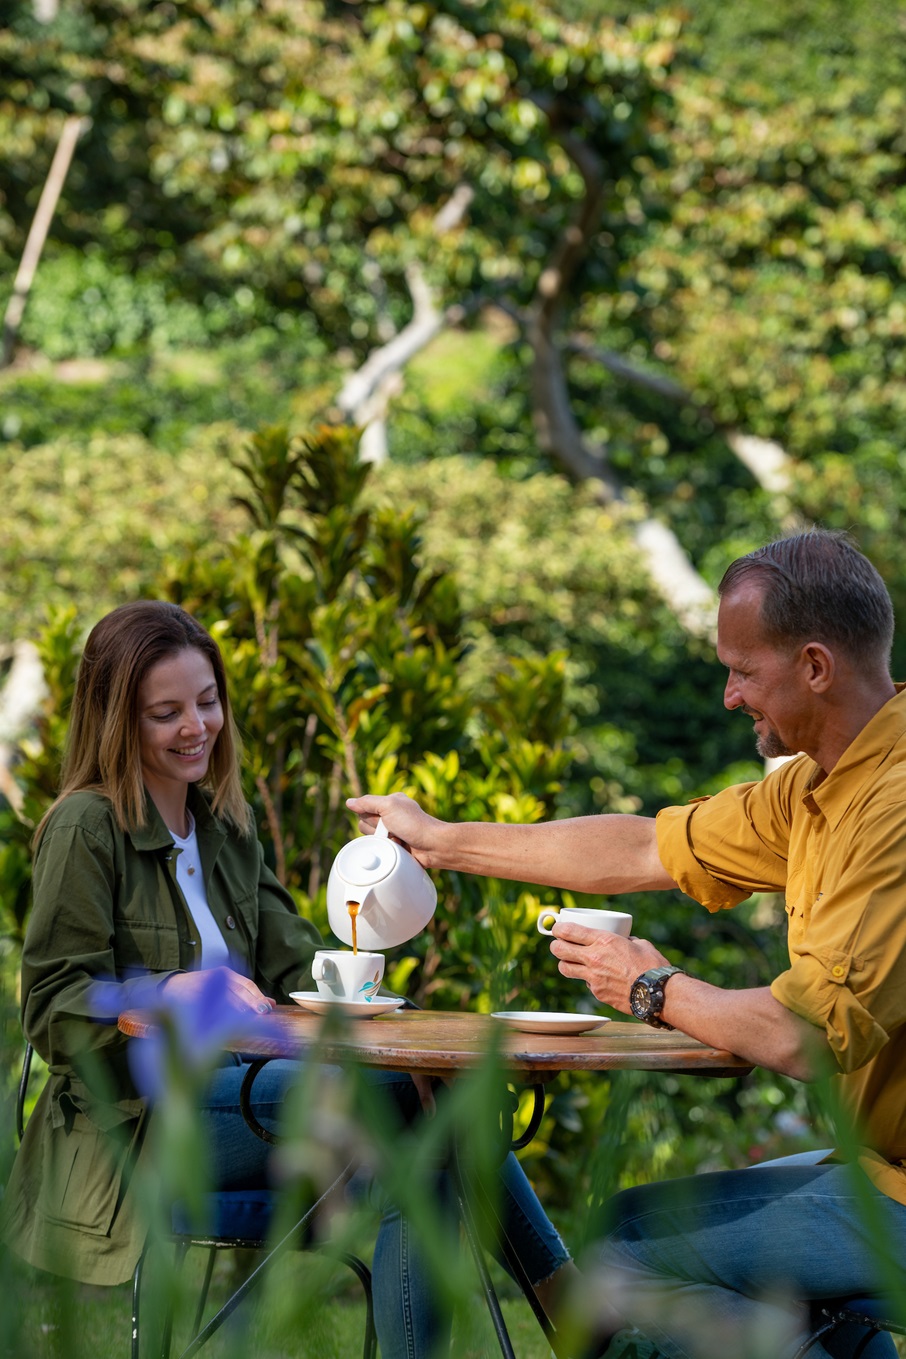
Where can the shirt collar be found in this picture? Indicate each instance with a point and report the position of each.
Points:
(155, 834)
(860, 761)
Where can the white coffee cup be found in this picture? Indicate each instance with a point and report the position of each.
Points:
(593, 917)
(342, 975)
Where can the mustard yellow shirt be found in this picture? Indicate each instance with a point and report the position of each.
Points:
(835, 845)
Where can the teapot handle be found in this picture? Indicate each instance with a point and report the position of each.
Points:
(381, 829)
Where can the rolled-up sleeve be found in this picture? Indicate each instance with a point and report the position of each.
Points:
(688, 872)
(721, 849)
(819, 990)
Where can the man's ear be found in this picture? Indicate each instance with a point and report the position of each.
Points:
(818, 665)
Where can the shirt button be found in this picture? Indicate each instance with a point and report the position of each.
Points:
(838, 971)
(230, 923)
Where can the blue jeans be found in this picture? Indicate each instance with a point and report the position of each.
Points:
(409, 1323)
(719, 1264)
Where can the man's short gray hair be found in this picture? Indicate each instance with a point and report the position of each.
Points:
(817, 586)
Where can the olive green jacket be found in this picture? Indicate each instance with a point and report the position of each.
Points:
(107, 907)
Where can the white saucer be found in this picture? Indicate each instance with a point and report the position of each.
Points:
(547, 1021)
(359, 1009)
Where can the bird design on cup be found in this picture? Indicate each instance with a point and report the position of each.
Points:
(370, 988)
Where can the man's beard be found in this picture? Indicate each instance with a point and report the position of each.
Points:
(770, 746)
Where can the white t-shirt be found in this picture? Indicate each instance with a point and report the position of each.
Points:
(214, 952)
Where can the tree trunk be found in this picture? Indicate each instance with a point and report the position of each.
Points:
(50, 194)
(686, 593)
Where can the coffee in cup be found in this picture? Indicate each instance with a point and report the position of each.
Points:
(593, 917)
(341, 975)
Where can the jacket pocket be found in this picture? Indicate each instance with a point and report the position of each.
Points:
(84, 1170)
(141, 945)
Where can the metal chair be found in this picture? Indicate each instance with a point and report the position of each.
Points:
(871, 1315)
(233, 1220)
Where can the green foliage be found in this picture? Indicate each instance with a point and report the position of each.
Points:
(541, 567)
(165, 399)
(244, 166)
(92, 521)
(80, 305)
(298, 159)
(288, 166)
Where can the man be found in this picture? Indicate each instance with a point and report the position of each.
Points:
(804, 629)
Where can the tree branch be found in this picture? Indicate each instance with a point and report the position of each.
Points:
(768, 462)
(687, 594)
(555, 425)
(366, 393)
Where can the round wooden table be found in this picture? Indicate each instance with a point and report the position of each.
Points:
(442, 1042)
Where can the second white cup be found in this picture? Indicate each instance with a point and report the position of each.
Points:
(594, 918)
(341, 975)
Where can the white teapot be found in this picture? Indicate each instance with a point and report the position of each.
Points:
(395, 895)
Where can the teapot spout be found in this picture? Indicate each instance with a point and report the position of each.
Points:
(357, 902)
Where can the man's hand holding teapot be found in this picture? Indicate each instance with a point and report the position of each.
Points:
(404, 821)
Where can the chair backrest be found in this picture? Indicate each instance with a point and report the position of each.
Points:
(23, 1090)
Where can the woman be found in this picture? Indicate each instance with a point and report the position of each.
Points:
(147, 866)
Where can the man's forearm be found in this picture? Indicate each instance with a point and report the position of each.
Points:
(751, 1024)
(597, 854)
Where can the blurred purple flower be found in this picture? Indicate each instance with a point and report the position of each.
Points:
(195, 1033)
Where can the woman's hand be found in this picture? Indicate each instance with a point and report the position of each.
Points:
(241, 993)
(607, 963)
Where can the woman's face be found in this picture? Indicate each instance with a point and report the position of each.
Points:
(180, 718)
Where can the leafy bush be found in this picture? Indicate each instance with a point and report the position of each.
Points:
(92, 522)
(166, 396)
(82, 305)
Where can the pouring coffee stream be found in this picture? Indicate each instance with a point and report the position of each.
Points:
(353, 907)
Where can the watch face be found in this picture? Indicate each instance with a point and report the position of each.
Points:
(640, 999)
(646, 995)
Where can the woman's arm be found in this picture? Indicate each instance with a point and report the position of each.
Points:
(70, 942)
(286, 941)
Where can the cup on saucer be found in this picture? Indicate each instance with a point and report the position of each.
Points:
(342, 975)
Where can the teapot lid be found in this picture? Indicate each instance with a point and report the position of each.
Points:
(366, 861)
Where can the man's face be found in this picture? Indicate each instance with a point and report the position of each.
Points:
(764, 681)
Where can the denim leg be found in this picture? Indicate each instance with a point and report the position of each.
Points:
(538, 1244)
(238, 1159)
(409, 1321)
(717, 1264)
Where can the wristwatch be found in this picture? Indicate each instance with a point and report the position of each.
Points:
(646, 995)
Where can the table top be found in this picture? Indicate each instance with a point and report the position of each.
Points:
(439, 1042)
